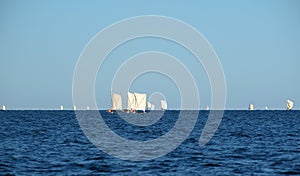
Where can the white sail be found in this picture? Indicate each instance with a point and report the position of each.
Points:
(61, 107)
(152, 107)
(251, 107)
(131, 101)
(207, 108)
(163, 104)
(149, 105)
(266, 108)
(116, 101)
(289, 105)
(140, 101)
(3, 108)
(74, 107)
(87, 108)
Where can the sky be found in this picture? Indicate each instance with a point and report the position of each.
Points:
(257, 42)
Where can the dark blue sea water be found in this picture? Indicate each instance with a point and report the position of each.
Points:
(246, 143)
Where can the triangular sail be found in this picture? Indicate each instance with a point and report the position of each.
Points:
(289, 105)
(116, 101)
(140, 101)
(163, 104)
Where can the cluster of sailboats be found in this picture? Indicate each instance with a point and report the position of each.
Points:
(136, 102)
(289, 106)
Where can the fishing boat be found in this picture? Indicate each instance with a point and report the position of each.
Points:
(289, 105)
(164, 105)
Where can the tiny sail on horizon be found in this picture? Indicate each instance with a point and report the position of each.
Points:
(251, 107)
(152, 107)
(61, 107)
(3, 108)
(74, 108)
(149, 105)
(164, 105)
(289, 105)
(116, 101)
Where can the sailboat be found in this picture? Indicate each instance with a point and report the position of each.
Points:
(74, 108)
(3, 108)
(164, 105)
(149, 106)
(140, 100)
(251, 107)
(61, 107)
(136, 102)
(131, 103)
(289, 105)
(116, 101)
(152, 107)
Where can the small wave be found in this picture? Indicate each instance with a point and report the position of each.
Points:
(212, 165)
(290, 173)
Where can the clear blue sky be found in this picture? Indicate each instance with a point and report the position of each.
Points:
(258, 43)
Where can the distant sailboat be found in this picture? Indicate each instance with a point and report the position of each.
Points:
(207, 108)
(136, 102)
(131, 103)
(266, 108)
(251, 107)
(87, 108)
(164, 105)
(140, 101)
(116, 101)
(3, 108)
(149, 105)
(152, 107)
(289, 105)
(74, 108)
(61, 107)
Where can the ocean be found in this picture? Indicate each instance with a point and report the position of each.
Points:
(246, 143)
